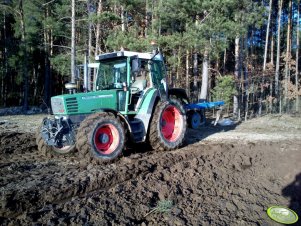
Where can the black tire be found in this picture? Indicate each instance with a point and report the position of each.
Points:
(180, 100)
(92, 135)
(51, 151)
(158, 137)
(180, 94)
(191, 119)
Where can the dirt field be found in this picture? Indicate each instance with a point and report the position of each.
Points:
(221, 176)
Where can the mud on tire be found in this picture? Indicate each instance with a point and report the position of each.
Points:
(100, 138)
(168, 126)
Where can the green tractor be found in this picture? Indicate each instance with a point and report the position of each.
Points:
(129, 102)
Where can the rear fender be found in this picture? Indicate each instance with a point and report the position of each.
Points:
(180, 94)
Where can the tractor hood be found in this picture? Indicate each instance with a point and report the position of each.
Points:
(84, 103)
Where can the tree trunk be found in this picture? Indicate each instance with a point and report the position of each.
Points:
(123, 20)
(272, 49)
(34, 84)
(47, 81)
(173, 70)
(73, 50)
(89, 51)
(2, 65)
(90, 48)
(204, 87)
(195, 75)
(98, 31)
(51, 42)
(252, 41)
(236, 74)
(297, 56)
(5, 62)
(159, 19)
(178, 66)
(187, 73)
(146, 19)
(225, 61)
(245, 82)
(25, 61)
(277, 94)
(153, 17)
(265, 58)
(244, 77)
(267, 37)
(288, 55)
(46, 63)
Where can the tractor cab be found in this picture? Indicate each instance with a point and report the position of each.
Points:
(133, 74)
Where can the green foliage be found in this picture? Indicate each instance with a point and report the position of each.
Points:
(206, 25)
(224, 90)
(61, 64)
(129, 41)
(105, 17)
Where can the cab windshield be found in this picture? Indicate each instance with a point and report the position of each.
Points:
(111, 74)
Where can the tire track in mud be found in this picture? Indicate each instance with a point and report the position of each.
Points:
(53, 182)
(32, 183)
(62, 181)
(40, 190)
(207, 185)
(12, 143)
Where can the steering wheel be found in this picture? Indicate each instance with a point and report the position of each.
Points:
(135, 89)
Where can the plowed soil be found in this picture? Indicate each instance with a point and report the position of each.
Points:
(221, 176)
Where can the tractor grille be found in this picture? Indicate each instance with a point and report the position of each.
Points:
(72, 105)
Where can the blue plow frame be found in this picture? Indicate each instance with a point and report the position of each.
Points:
(203, 105)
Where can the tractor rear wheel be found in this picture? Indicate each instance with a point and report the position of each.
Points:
(51, 151)
(168, 126)
(100, 138)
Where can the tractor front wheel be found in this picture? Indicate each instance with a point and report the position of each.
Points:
(100, 138)
(168, 126)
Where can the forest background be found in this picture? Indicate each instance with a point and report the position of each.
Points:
(245, 52)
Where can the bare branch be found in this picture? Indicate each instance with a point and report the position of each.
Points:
(47, 3)
(61, 46)
(217, 71)
(207, 16)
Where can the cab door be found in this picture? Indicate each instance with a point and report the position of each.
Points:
(159, 78)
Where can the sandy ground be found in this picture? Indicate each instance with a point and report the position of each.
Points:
(221, 176)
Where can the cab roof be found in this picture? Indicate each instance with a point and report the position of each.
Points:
(117, 54)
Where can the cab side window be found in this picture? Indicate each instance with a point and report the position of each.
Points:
(158, 74)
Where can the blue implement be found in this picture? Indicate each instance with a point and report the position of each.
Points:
(203, 105)
(196, 112)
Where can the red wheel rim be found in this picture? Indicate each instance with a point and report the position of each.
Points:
(171, 123)
(106, 139)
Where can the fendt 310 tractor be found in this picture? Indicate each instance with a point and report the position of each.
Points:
(130, 101)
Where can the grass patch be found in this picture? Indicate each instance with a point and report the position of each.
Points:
(162, 207)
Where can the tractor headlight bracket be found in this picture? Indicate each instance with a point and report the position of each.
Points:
(57, 131)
